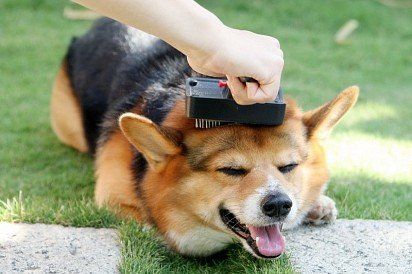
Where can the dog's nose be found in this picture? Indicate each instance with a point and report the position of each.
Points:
(276, 205)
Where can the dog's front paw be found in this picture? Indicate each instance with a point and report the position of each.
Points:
(323, 212)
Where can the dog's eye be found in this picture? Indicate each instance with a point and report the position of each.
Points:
(287, 168)
(233, 171)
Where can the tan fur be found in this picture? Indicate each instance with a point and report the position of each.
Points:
(65, 113)
(155, 143)
(114, 178)
(322, 120)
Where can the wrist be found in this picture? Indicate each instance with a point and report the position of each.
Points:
(205, 37)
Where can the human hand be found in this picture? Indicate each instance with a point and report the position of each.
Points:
(236, 53)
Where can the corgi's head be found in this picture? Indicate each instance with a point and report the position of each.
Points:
(207, 187)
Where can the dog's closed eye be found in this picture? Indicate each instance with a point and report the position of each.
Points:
(233, 171)
(287, 168)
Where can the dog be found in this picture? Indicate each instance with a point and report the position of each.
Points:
(119, 95)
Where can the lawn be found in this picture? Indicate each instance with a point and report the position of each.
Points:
(370, 152)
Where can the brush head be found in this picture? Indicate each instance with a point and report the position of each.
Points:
(211, 104)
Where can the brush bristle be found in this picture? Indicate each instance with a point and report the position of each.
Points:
(205, 123)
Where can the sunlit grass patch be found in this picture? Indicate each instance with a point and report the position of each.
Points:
(356, 152)
(371, 164)
(12, 210)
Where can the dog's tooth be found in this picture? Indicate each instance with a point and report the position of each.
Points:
(281, 226)
(257, 240)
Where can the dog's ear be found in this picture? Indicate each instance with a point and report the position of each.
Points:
(156, 143)
(322, 120)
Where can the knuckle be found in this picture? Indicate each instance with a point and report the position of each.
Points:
(270, 74)
(281, 53)
(279, 61)
(276, 42)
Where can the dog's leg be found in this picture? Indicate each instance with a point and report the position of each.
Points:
(323, 212)
(114, 178)
(65, 113)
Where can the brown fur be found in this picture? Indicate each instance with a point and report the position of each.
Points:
(65, 113)
(114, 178)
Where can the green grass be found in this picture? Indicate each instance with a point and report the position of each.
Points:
(370, 152)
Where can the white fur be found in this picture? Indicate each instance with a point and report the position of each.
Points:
(200, 241)
(252, 213)
(326, 210)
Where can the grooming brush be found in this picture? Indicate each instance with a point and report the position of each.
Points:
(210, 102)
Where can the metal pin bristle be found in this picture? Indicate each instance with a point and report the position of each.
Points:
(205, 123)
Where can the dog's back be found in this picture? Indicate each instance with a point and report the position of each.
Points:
(110, 70)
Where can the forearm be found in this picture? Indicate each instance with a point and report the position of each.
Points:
(182, 23)
(211, 47)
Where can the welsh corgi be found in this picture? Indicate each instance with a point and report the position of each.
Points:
(119, 95)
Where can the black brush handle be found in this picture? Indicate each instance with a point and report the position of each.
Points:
(206, 99)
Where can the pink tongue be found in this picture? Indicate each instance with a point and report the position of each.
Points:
(271, 242)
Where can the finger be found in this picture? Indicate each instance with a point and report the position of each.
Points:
(279, 52)
(272, 41)
(267, 93)
(251, 89)
(238, 90)
(237, 86)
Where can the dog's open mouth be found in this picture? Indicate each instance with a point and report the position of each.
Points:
(265, 241)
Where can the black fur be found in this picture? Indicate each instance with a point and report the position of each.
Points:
(114, 68)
